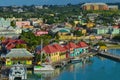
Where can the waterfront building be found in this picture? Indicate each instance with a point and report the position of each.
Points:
(95, 6)
(73, 50)
(62, 50)
(52, 53)
(83, 47)
(19, 55)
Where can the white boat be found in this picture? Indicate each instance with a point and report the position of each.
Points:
(18, 72)
(43, 67)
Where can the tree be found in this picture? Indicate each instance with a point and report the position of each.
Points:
(13, 23)
(78, 33)
(101, 43)
(117, 37)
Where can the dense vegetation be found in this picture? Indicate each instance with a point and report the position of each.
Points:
(32, 40)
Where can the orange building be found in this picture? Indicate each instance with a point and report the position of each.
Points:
(95, 6)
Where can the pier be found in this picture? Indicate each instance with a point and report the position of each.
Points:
(111, 56)
(82, 56)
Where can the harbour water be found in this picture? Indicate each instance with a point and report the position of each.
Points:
(97, 68)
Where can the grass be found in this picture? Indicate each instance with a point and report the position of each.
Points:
(38, 66)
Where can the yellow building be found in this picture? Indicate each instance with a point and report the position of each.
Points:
(20, 55)
(69, 37)
(55, 52)
(90, 24)
(52, 53)
(27, 26)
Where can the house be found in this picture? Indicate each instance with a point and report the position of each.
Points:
(12, 43)
(22, 23)
(52, 53)
(39, 32)
(73, 50)
(90, 25)
(20, 55)
(114, 30)
(101, 30)
(62, 51)
(60, 31)
(10, 32)
(83, 47)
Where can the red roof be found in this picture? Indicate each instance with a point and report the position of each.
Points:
(49, 49)
(115, 26)
(82, 44)
(10, 46)
(71, 45)
(11, 43)
(59, 48)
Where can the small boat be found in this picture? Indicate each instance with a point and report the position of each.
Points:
(43, 67)
(75, 60)
(18, 72)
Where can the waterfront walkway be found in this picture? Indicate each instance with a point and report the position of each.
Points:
(67, 61)
(112, 56)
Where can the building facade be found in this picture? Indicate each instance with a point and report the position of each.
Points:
(95, 6)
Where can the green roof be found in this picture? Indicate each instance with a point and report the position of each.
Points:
(19, 53)
(63, 30)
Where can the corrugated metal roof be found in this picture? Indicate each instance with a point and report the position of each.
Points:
(19, 52)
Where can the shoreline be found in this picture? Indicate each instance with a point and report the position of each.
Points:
(113, 46)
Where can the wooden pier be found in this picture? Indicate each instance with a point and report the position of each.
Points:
(112, 56)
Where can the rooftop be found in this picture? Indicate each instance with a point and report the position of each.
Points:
(19, 53)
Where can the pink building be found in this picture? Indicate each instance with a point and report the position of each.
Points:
(22, 23)
(39, 33)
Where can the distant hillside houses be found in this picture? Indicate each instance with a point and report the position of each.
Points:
(10, 32)
(99, 6)
(106, 30)
(4, 22)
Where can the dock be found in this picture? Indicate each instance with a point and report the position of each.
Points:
(112, 56)
(64, 62)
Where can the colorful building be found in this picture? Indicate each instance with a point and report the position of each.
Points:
(20, 55)
(73, 50)
(22, 23)
(39, 33)
(62, 51)
(83, 46)
(52, 53)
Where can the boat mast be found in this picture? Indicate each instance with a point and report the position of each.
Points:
(41, 51)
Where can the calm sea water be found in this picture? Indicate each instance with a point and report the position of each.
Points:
(96, 68)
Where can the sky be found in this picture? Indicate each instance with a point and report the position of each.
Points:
(48, 2)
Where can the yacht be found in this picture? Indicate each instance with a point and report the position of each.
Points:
(43, 67)
(18, 72)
